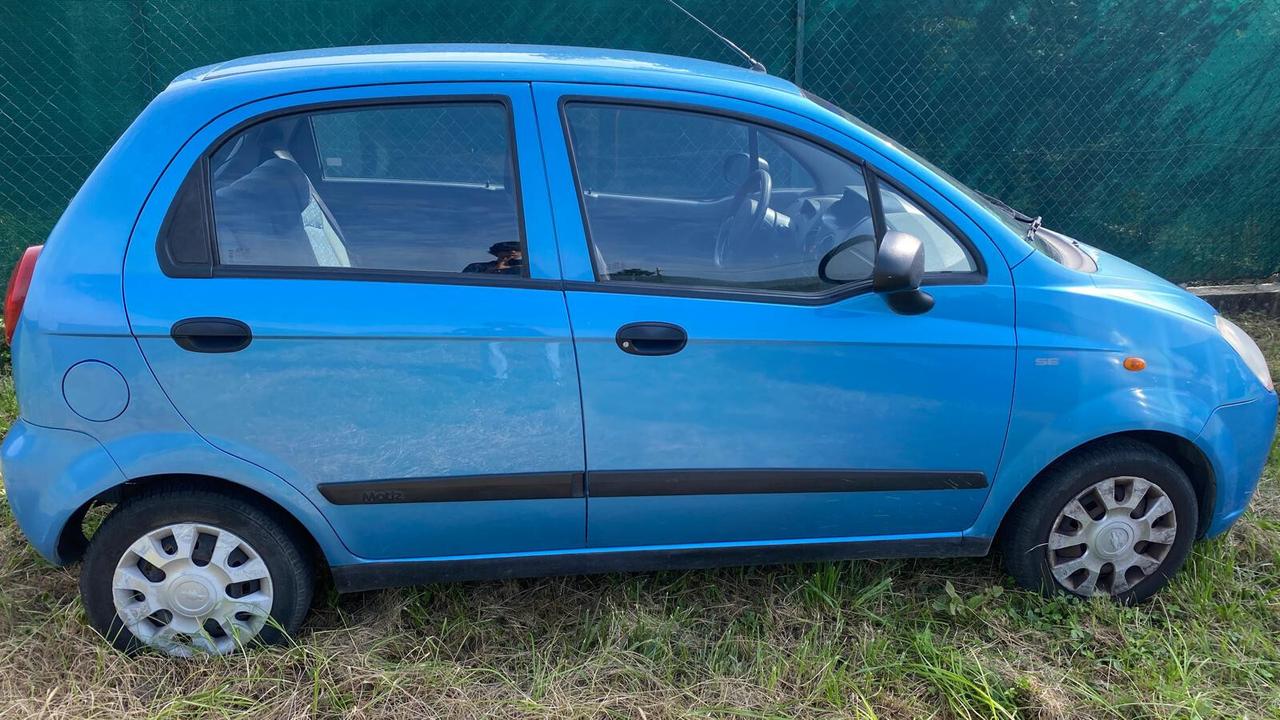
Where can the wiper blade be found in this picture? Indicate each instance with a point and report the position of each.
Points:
(993, 200)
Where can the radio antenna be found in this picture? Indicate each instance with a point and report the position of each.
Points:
(754, 63)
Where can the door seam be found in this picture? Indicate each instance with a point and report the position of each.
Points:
(564, 296)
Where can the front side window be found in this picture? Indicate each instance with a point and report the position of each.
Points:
(414, 188)
(686, 198)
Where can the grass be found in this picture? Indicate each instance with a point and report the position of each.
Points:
(892, 639)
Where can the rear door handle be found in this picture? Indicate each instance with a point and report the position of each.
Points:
(211, 335)
(651, 338)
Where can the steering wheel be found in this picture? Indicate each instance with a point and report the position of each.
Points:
(742, 221)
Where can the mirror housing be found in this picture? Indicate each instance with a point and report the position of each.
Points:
(898, 273)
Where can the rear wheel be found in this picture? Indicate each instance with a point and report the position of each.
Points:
(191, 570)
(1116, 520)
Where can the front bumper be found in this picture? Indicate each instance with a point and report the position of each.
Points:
(1237, 439)
(48, 475)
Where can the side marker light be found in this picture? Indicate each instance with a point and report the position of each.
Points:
(1135, 364)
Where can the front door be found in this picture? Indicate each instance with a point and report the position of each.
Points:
(379, 319)
(732, 391)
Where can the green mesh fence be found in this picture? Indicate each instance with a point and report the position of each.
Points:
(1147, 128)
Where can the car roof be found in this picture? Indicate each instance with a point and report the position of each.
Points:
(503, 61)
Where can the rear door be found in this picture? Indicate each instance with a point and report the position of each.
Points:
(731, 392)
(374, 314)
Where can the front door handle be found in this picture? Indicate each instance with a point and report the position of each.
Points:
(651, 338)
(211, 335)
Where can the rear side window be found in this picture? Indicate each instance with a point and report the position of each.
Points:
(679, 197)
(420, 188)
(458, 144)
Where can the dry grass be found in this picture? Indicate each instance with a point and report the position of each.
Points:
(896, 639)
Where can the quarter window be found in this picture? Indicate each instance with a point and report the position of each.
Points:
(942, 252)
(686, 198)
(415, 188)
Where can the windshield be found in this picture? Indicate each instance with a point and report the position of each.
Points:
(1004, 213)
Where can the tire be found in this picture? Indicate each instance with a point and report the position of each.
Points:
(1148, 525)
(253, 559)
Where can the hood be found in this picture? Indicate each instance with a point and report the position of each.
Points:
(1126, 280)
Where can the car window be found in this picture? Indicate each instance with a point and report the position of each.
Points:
(613, 145)
(414, 188)
(673, 196)
(464, 144)
(786, 169)
(942, 251)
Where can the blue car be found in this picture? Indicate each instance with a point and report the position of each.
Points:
(436, 313)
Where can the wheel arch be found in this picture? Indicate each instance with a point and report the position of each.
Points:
(73, 540)
(1181, 450)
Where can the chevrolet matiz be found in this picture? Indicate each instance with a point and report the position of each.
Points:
(435, 313)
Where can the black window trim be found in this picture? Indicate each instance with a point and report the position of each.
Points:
(199, 176)
(871, 176)
(215, 269)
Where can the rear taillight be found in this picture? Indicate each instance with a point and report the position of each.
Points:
(19, 284)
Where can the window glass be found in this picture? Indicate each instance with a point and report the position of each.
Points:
(418, 188)
(440, 143)
(942, 252)
(785, 169)
(184, 235)
(632, 150)
(687, 198)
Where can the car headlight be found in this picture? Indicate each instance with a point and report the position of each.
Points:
(1248, 350)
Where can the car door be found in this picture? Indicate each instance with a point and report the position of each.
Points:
(730, 394)
(372, 311)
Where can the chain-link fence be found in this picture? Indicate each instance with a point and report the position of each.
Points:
(1148, 128)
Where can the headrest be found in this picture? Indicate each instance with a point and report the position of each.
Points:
(851, 208)
(277, 182)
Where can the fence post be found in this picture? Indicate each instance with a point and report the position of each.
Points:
(798, 74)
(147, 79)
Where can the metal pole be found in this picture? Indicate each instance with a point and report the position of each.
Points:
(148, 79)
(798, 75)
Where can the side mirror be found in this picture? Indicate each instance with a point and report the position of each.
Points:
(850, 261)
(898, 272)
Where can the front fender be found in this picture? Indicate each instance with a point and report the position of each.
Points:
(1040, 434)
(1072, 385)
(1237, 440)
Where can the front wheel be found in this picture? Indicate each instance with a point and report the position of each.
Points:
(193, 570)
(1116, 520)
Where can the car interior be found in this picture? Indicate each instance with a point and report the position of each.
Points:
(684, 197)
(275, 206)
(761, 210)
(775, 209)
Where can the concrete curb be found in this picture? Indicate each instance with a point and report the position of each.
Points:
(1257, 297)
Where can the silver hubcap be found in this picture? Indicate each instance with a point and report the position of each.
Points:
(1112, 536)
(190, 588)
